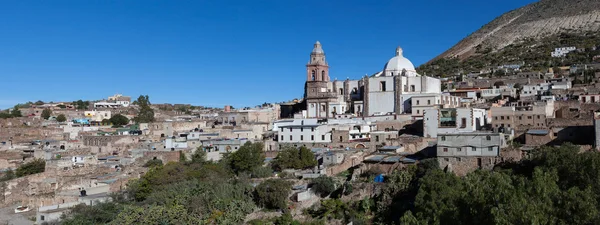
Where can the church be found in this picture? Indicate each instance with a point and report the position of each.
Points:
(397, 89)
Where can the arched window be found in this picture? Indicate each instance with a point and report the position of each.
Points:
(323, 75)
(313, 75)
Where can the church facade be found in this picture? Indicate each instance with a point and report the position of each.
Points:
(390, 91)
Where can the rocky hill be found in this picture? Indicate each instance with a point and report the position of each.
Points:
(537, 20)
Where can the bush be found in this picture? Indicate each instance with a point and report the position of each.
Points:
(33, 167)
(153, 163)
(46, 113)
(261, 172)
(272, 194)
(323, 186)
(119, 120)
(61, 118)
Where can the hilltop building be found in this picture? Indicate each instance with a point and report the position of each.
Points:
(387, 92)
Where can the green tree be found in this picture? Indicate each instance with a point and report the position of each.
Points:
(119, 120)
(100, 213)
(16, 112)
(39, 102)
(323, 186)
(46, 113)
(61, 118)
(81, 105)
(294, 158)
(146, 113)
(35, 166)
(247, 158)
(199, 155)
(272, 194)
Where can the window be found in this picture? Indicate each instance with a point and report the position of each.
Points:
(488, 138)
(463, 122)
(301, 129)
(502, 117)
(341, 91)
(508, 117)
(312, 137)
(322, 137)
(459, 149)
(291, 137)
(417, 102)
(323, 75)
(313, 75)
(302, 137)
(290, 129)
(376, 138)
(428, 102)
(495, 117)
(382, 86)
(418, 111)
(520, 117)
(445, 149)
(443, 138)
(473, 149)
(490, 148)
(312, 129)
(459, 159)
(412, 88)
(538, 116)
(341, 138)
(42, 218)
(528, 117)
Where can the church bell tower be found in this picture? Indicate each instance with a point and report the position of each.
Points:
(317, 68)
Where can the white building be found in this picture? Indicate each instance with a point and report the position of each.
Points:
(562, 52)
(304, 131)
(98, 116)
(124, 101)
(535, 89)
(386, 92)
(453, 121)
(437, 101)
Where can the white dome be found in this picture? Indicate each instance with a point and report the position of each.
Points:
(398, 64)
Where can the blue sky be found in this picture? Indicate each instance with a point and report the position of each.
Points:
(215, 53)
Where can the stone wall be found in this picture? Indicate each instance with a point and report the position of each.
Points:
(349, 161)
(461, 166)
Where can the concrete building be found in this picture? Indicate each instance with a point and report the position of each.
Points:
(465, 152)
(453, 121)
(124, 101)
(522, 115)
(98, 116)
(425, 102)
(535, 89)
(322, 133)
(589, 98)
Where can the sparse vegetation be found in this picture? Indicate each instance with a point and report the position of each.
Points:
(33, 167)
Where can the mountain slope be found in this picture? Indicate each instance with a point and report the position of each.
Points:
(541, 19)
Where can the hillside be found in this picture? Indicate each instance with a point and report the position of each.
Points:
(528, 26)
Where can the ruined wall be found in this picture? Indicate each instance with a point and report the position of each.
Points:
(461, 166)
(349, 161)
